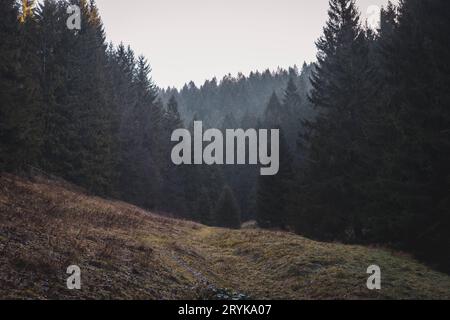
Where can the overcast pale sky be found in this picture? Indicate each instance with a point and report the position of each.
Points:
(199, 39)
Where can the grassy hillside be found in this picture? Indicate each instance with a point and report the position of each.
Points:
(125, 252)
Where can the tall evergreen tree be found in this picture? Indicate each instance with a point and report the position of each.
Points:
(337, 139)
(274, 193)
(9, 82)
(293, 111)
(20, 94)
(90, 155)
(274, 113)
(55, 42)
(291, 97)
(227, 212)
(203, 211)
(178, 185)
(416, 172)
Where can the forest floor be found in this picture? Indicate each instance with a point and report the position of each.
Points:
(125, 252)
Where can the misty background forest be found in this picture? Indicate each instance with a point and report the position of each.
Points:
(365, 144)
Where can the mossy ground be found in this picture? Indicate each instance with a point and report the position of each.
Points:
(125, 252)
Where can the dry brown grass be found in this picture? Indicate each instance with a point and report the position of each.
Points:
(128, 253)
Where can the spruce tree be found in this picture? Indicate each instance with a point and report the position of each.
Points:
(203, 210)
(58, 118)
(292, 112)
(227, 212)
(91, 157)
(414, 51)
(336, 141)
(274, 113)
(9, 82)
(179, 181)
(273, 209)
(173, 115)
(20, 94)
(292, 99)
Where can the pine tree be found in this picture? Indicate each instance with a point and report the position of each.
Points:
(144, 153)
(293, 112)
(337, 140)
(20, 129)
(173, 115)
(9, 81)
(227, 212)
(341, 59)
(203, 211)
(179, 182)
(292, 99)
(90, 155)
(274, 113)
(55, 42)
(274, 193)
(415, 173)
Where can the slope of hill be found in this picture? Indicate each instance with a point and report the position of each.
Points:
(127, 253)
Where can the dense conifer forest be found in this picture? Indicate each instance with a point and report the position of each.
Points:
(365, 130)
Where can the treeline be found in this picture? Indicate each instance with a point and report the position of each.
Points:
(236, 100)
(376, 158)
(269, 100)
(86, 111)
